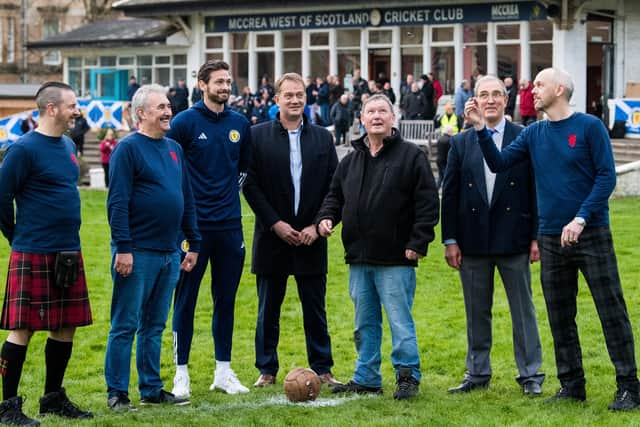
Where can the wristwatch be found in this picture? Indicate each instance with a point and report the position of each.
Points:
(580, 221)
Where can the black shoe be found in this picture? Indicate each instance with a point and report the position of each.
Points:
(407, 387)
(11, 413)
(57, 403)
(121, 403)
(352, 387)
(467, 385)
(625, 400)
(532, 388)
(164, 398)
(565, 393)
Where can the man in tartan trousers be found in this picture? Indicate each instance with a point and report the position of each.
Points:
(575, 174)
(40, 172)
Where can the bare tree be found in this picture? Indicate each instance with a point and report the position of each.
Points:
(97, 9)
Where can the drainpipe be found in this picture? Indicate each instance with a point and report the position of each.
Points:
(25, 39)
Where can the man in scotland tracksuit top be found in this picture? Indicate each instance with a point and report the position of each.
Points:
(216, 146)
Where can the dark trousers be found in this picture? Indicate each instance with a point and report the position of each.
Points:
(225, 250)
(105, 168)
(594, 256)
(311, 291)
(342, 133)
(443, 153)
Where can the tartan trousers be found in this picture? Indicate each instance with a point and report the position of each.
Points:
(595, 257)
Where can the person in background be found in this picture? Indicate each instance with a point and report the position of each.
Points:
(462, 95)
(528, 112)
(429, 94)
(437, 88)
(512, 93)
(28, 124)
(181, 96)
(342, 117)
(80, 128)
(449, 127)
(132, 88)
(413, 105)
(106, 148)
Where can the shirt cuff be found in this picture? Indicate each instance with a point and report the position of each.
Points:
(450, 242)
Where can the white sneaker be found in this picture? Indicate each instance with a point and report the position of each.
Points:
(227, 381)
(181, 386)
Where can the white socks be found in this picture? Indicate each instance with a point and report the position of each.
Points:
(182, 370)
(222, 366)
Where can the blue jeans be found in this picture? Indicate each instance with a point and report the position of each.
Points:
(140, 304)
(392, 287)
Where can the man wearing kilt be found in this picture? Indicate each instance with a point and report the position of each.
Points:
(46, 286)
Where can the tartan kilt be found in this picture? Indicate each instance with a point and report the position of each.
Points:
(33, 302)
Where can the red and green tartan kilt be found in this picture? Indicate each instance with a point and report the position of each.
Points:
(33, 302)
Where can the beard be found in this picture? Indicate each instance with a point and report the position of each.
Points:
(218, 97)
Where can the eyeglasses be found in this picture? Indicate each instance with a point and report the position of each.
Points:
(484, 96)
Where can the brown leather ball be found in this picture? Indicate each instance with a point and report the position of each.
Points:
(301, 385)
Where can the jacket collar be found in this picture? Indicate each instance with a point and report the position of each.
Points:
(278, 123)
(390, 140)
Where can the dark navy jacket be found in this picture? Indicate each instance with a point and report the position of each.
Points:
(269, 191)
(216, 149)
(507, 224)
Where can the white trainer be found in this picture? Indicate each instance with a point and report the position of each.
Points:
(227, 381)
(181, 386)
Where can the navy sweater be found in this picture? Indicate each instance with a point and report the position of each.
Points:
(573, 164)
(216, 147)
(150, 198)
(41, 173)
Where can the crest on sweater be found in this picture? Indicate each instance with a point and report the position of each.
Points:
(234, 136)
(572, 140)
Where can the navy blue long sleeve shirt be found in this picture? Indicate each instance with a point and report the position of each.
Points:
(40, 173)
(573, 164)
(217, 149)
(150, 199)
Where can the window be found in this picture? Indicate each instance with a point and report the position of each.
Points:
(474, 54)
(126, 60)
(240, 59)
(541, 46)
(1, 42)
(107, 61)
(442, 64)
(319, 39)
(507, 31)
(214, 42)
(348, 38)
(442, 34)
(11, 40)
(380, 36)
(51, 26)
(291, 51)
(264, 40)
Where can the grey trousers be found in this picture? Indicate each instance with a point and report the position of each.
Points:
(477, 277)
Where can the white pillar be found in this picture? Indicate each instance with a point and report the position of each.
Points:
(278, 56)
(226, 48)
(333, 52)
(492, 53)
(306, 58)
(253, 62)
(525, 53)
(426, 50)
(195, 55)
(396, 61)
(364, 54)
(570, 55)
(458, 54)
(620, 39)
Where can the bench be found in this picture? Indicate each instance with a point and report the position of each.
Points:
(420, 132)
